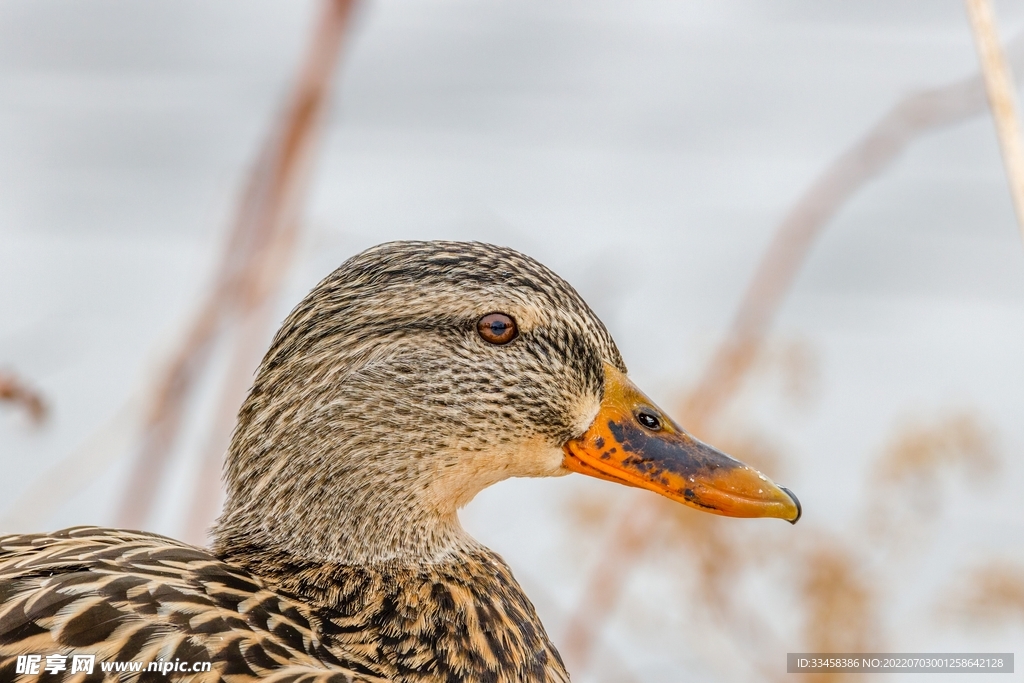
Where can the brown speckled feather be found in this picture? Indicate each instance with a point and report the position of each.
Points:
(134, 596)
(124, 596)
(377, 413)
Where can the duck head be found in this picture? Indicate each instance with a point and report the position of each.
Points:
(419, 373)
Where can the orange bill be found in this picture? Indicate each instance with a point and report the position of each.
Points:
(633, 442)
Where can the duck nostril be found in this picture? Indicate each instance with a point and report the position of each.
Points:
(648, 419)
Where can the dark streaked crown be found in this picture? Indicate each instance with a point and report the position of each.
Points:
(400, 291)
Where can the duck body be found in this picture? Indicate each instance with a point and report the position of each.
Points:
(131, 596)
(407, 381)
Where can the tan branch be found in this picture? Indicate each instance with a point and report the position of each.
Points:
(253, 266)
(1001, 99)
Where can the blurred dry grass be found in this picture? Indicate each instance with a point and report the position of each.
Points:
(235, 313)
(840, 604)
(926, 462)
(16, 391)
(994, 595)
(922, 450)
(837, 585)
(836, 602)
(237, 308)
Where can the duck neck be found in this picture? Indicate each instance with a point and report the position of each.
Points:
(366, 526)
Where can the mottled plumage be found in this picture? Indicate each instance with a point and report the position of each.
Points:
(381, 408)
(376, 414)
(134, 596)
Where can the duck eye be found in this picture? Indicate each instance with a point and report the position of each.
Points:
(497, 328)
(648, 419)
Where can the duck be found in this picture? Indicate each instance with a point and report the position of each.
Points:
(411, 378)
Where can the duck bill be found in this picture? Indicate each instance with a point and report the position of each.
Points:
(625, 445)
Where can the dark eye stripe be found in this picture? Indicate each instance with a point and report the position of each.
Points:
(497, 328)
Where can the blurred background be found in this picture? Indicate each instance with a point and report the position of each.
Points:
(175, 176)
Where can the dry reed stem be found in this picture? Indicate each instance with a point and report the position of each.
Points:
(1002, 99)
(252, 268)
(290, 151)
(885, 141)
(14, 390)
